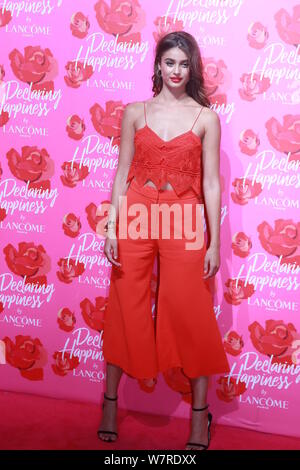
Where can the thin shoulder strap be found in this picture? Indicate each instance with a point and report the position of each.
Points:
(197, 116)
(145, 112)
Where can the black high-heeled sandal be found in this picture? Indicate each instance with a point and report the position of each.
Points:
(197, 444)
(103, 430)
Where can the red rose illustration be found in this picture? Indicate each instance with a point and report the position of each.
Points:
(64, 363)
(33, 165)
(2, 214)
(233, 343)
(37, 66)
(179, 382)
(66, 319)
(249, 142)
(165, 25)
(288, 25)
(241, 244)
(28, 355)
(5, 16)
(69, 270)
(278, 339)
(75, 127)
(283, 240)
(73, 173)
(217, 79)
(237, 291)
(147, 385)
(228, 391)
(95, 219)
(253, 86)
(286, 137)
(93, 315)
(4, 118)
(79, 25)
(71, 225)
(244, 190)
(1, 307)
(29, 260)
(2, 72)
(123, 18)
(77, 73)
(108, 122)
(257, 35)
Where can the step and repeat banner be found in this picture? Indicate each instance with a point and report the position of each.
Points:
(67, 71)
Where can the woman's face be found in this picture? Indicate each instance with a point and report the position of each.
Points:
(175, 64)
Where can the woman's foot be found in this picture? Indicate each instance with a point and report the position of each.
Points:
(199, 430)
(108, 420)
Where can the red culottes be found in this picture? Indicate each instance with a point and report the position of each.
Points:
(185, 331)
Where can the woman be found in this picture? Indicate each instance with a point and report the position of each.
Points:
(162, 144)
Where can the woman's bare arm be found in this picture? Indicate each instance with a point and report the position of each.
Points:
(211, 175)
(126, 153)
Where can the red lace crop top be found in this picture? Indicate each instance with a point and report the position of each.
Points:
(177, 161)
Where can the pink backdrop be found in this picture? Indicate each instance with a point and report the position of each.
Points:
(60, 128)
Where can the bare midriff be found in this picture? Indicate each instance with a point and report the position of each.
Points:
(166, 187)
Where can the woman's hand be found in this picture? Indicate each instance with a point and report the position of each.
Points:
(212, 258)
(111, 248)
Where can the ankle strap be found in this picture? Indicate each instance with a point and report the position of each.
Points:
(200, 409)
(109, 398)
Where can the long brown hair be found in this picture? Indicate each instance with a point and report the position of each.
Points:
(188, 44)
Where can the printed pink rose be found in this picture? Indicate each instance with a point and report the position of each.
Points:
(66, 319)
(237, 291)
(249, 142)
(257, 35)
(75, 127)
(233, 343)
(286, 137)
(33, 165)
(245, 190)
(79, 25)
(283, 240)
(26, 354)
(108, 122)
(94, 315)
(277, 339)
(97, 216)
(216, 77)
(28, 260)
(165, 25)
(229, 391)
(5, 16)
(73, 173)
(123, 18)
(64, 363)
(241, 244)
(37, 66)
(69, 269)
(71, 225)
(253, 86)
(288, 25)
(77, 73)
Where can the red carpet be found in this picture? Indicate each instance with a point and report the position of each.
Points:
(35, 422)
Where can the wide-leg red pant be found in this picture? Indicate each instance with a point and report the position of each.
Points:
(185, 332)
